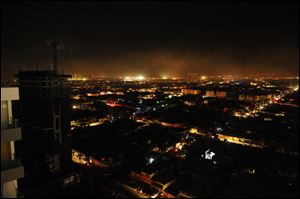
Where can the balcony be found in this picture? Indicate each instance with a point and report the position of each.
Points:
(10, 130)
(11, 123)
(11, 170)
(10, 164)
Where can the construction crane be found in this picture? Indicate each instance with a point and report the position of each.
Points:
(56, 46)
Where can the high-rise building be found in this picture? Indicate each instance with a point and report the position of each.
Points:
(45, 117)
(11, 167)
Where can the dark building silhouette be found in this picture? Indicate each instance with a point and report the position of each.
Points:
(45, 119)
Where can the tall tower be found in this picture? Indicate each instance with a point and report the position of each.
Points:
(55, 47)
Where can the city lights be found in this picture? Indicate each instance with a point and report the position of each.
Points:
(194, 131)
(219, 129)
(75, 107)
(128, 79)
(151, 160)
(208, 154)
(140, 77)
(142, 109)
(152, 100)
(203, 77)
(136, 78)
(164, 77)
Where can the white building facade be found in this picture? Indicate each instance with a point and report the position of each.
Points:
(11, 167)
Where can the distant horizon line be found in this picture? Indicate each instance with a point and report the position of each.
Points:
(157, 76)
(95, 77)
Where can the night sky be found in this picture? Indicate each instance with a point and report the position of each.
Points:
(152, 38)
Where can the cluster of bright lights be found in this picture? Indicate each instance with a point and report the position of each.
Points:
(140, 77)
(151, 160)
(164, 77)
(203, 77)
(137, 78)
(179, 145)
(77, 79)
(208, 154)
(194, 131)
(252, 171)
(75, 107)
(219, 129)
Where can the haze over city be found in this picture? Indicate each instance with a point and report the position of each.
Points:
(113, 39)
(177, 99)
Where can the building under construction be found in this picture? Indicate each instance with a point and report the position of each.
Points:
(45, 118)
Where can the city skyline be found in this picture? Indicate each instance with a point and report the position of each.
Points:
(149, 99)
(153, 39)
